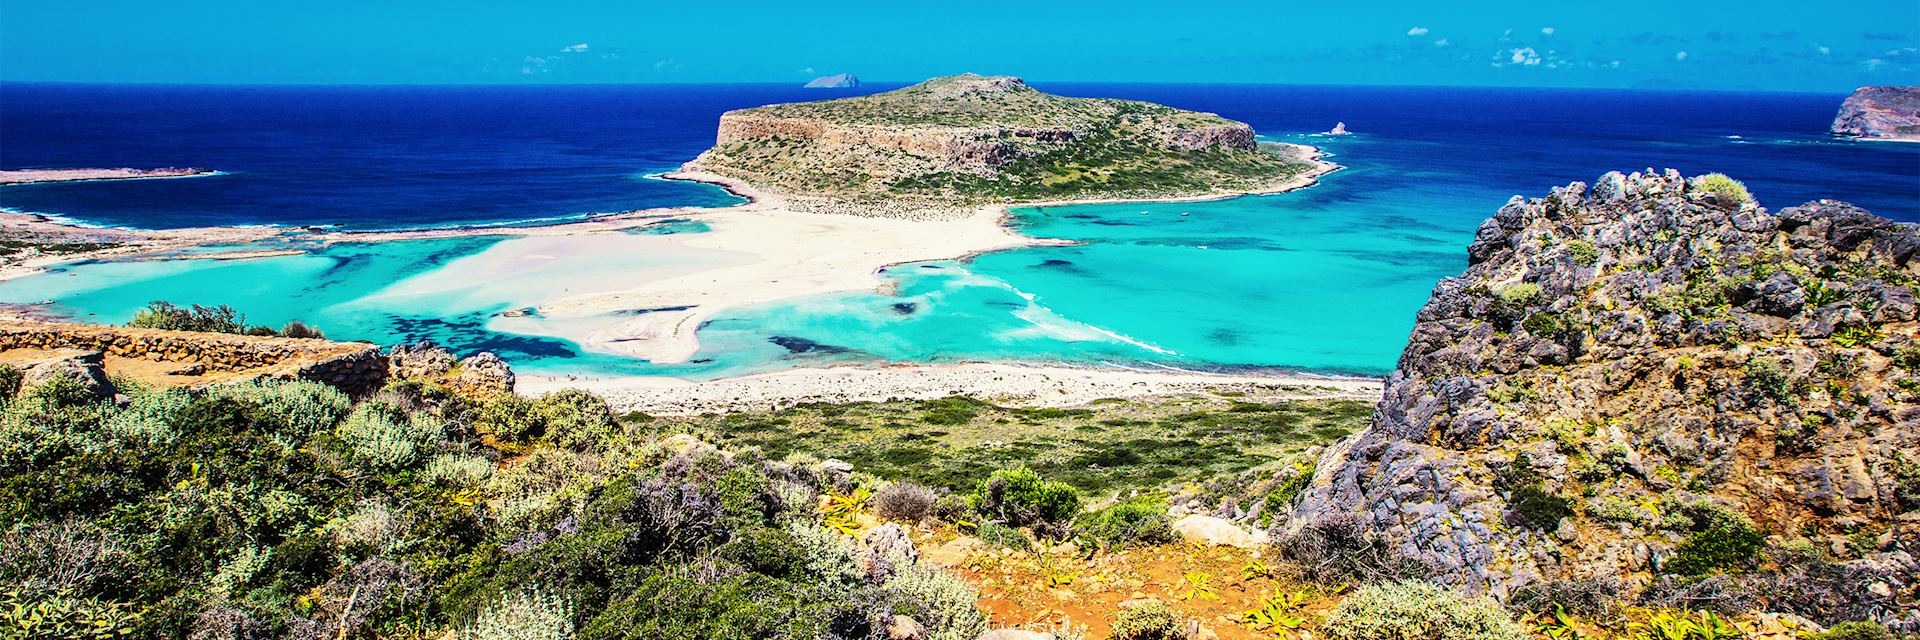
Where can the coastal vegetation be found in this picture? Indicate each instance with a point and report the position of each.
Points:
(215, 319)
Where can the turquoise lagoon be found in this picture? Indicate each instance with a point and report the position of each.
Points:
(1312, 280)
(1325, 279)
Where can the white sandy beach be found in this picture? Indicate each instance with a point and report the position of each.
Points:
(1009, 384)
(582, 285)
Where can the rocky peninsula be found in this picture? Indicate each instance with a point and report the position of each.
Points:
(947, 146)
(1646, 382)
(1880, 113)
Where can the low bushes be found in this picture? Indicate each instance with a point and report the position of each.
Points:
(1019, 497)
(215, 319)
(1147, 620)
(1718, 539)
(1417, 610)
(904, 502)
(1141, 520)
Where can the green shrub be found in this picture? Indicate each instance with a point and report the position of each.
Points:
(1770, 379)
(295, 409)
(1020, 497)
(947, 607)
(1856, 631)
(1521, 295)
(1147, 620)
(160, 314)
(951, 411)
(1539, 508)
(1280, 499)
(149, 416)
(509, 417)
(1141, 520)
(1547, 324)
(576, 419)
(1583, 253)
(523, 615)
(10, 377)
(1417, 610)
(1906, 357)
(1719, 539)
(1000, 536)
(457, 469)
(387, 438)
(1728, 190)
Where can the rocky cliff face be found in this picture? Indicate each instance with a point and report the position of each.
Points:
(1619, 362)
(1891, 113)
(968, 139)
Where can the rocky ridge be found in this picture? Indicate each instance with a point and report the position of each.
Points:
(1630, 372)
(1883, 113)
(960, 141)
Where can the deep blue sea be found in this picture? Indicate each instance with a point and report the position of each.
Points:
(1325, 278)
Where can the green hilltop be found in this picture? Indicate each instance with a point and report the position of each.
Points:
(970, 139)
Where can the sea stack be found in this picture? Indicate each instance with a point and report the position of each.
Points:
(840, 81)
(1339, 129)
(1880, 113)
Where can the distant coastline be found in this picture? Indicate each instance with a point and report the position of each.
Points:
(43, 176)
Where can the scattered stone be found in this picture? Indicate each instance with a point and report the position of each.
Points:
(485, 373)
(419, 360)
(954, 552)
(1016, 634)
(1214, 531)
(905, 628)
(85, 368)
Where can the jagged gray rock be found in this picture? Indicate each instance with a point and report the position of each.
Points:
(485, 373)
(1632, 348)
(86, 369)
(1890, 113)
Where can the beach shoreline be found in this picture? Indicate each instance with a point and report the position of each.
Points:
(1013, 384)
(776, 253)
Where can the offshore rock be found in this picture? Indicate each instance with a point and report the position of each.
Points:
(1629, 350)
(1885, 113)
(836, 81)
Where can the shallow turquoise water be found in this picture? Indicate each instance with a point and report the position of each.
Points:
(1327, 278)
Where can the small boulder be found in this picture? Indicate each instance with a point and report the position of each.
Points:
(905, 628)
(1213, 531)
(87, 369)
(954, 552)
(485, 373)
(890, 541)
(421, 359)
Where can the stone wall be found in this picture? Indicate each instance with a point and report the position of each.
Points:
(352, 366)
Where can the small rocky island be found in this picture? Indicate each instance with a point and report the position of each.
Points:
(836, 81)
(961, 141)
(1880, 113)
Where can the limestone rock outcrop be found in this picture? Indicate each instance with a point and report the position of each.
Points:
(959, 141)
(1618, 356)
(86, 370)
(1888, 113)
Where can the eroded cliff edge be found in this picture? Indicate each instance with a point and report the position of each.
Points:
(1880, 113)
(1647, 379)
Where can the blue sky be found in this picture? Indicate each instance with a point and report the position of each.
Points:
(1784, 46)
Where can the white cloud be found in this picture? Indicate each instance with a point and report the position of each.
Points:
(578, 48)
(1824, 50)
(1874, 63)
(666, 65)
(1614, 65)
(807, 71)
(1680, 56)
(1506, 36)
(1525, 56)
(1417, 31)
(1441, 42)
(1546, 31)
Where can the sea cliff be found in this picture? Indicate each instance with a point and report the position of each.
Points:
(1648, 381)
(1880, 113)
